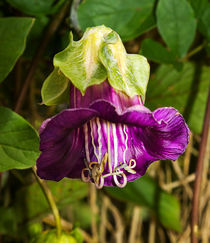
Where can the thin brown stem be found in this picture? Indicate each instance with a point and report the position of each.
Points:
(94, 210)
(134, 224)
(53, 26)
(198, 178)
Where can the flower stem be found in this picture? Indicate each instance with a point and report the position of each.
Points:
(198, 178)
(51, 201)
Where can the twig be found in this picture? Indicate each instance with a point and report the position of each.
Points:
(94, 209)
(161, 234)
(152, 228)
(134, 224)
(50, 200)
(181, 177)
(118, 233)
(50, 220)
(57, 19)
(198, 179)
(188, 156)
(103, 221)
(206, 225)
(181, 182)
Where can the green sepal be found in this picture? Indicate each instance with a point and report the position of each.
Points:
(101, 54)
(55, 89)
(126, 72)
(80, 62)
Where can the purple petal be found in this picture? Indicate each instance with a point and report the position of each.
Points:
(165, 133)
(135, 133)
(170, 141)
(62, 144)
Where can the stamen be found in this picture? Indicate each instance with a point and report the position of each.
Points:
(130, 166)
(92, 139)
(99, 138)
(86, 142)
(85, 175)
(94, 170)
(126, 143)
(109, 147)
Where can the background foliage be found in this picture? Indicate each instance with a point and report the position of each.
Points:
(175, 37)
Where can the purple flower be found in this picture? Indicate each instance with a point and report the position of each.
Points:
(108, 138)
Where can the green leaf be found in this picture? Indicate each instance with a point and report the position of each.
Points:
(202, 12)
(55, 89)
(146, 192)
(19, 142)
(186, 90)
(156, 52)
(126, 72)
(8, 222)
(13, 32)
(199, 6)
(203, 24)
(30, 201)
(35, 36)
(176, 24)
(129, 18)
(36, 7)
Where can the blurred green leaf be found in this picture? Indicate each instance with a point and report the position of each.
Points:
(35, 36)
(154, 51)
(176, 24)
(186, 90)
(129, 18)
(202, 12)
(19, 142)
(146, 192)
(55, 89)
(36, 7)
(82, 214)
(30, 201)
(204, 23)
(13, 32)
(8, 222)
(199, 6)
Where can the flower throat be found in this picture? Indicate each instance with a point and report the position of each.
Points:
(107, 165)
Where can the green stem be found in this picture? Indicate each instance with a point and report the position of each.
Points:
(50, 200)
(194, 51)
